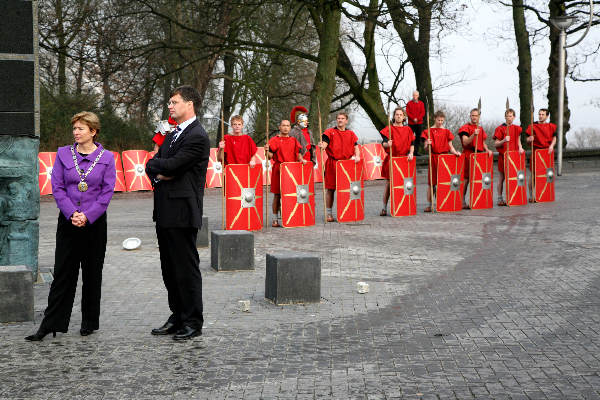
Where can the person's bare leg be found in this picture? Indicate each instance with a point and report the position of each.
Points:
(500, 186)
(386, 196)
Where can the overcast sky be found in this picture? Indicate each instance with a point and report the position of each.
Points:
(490, 64)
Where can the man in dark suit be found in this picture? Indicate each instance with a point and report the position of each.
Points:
(178, 172)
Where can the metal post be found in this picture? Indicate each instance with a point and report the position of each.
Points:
(561, 95)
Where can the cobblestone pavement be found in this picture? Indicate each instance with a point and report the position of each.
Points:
(500, 303)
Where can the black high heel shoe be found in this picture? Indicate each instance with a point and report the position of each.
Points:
(39, 335)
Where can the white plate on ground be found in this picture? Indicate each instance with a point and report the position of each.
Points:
(132, 243)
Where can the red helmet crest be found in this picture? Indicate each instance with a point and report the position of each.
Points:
(295, 111)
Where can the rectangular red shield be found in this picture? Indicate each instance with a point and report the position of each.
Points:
(46, 161)
(516, 180)
(134, 166)
(319, 165)
(297, 194)
(243, 197)
(373, 156)
(449, 183)
(214, 172)
(350, 191)
(481, 179)
(404, 187)
(543, 169)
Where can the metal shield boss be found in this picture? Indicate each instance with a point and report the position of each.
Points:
(449, 183)
(350, 193)
(403, 188)
(243, 197)
(297, 194)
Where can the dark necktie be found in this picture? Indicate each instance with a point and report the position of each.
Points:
(176, 134)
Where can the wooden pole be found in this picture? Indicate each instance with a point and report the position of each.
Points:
(222, 172)
(268, 164)
(429, 147)
(322, 166)
(532, 154)
(506, 151)
(472, 170)
(391, 182)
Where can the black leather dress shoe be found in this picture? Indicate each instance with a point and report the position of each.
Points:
(186, 333)
(86, 331)
(167, 329)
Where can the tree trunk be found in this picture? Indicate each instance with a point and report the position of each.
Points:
(227, 101)
(62, 48)
(327, 19)
(524, 67)
(417, 50)
(556, 9)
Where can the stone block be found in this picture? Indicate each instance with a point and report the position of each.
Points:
(232, 250)
(293, 278)
(22, 77)
(16, 292)
(202, 237)
(16, 29)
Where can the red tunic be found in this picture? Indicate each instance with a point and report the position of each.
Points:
(415, 109)
(239, 149)
(469, 130)
(402, 139)
(284, 149)
(340, 147)
(158, 138)
(544, 132)
(440, 138)
(514, 131)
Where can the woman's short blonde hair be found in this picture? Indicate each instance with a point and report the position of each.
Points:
(88, 118)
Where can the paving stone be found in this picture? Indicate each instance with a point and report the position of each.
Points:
(514, 292)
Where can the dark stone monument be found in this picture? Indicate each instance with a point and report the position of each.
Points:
(16, 292)
(232, 250)
(293, 278)
(202, 237)
(19, 134)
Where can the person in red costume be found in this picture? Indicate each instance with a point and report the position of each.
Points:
(415, 111)
(282, 148)
(402, 144)
(544, 137)
(161, 130)
(340, 144)
(471, 135)
(507, 136)
(441, 143)
(239, 148)
(300, 131)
